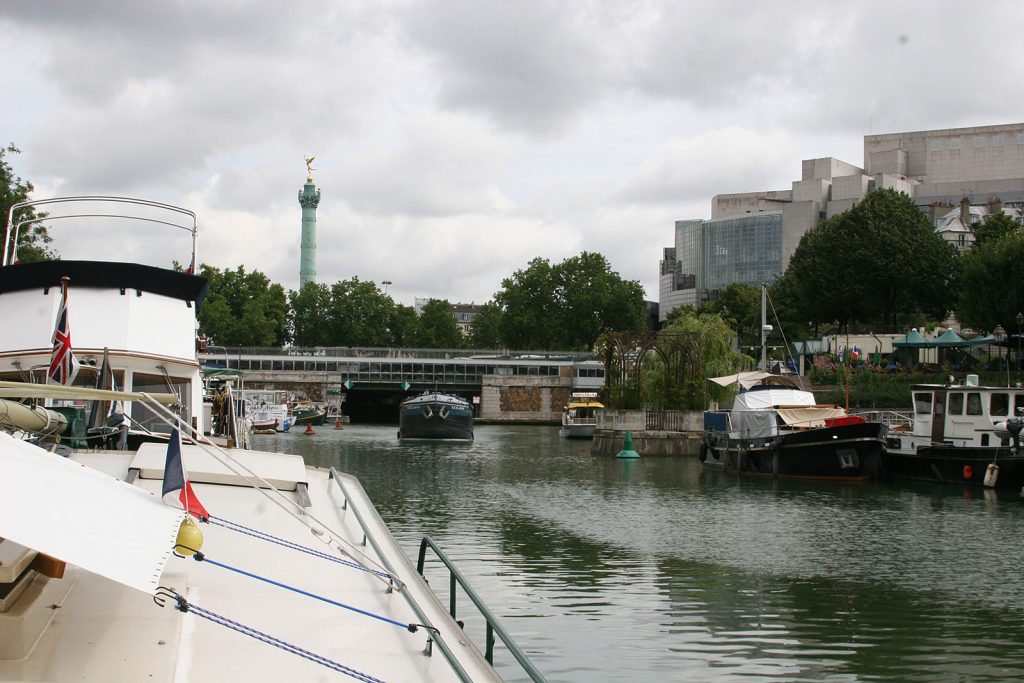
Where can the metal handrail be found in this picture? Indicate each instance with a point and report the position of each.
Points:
(493, 625)
(420, 614)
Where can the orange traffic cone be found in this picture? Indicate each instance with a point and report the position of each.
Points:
(309, 429)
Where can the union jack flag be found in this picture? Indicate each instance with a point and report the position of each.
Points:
(63, 365)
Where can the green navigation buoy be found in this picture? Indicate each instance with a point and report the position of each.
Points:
(627, 448)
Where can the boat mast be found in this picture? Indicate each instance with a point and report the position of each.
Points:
(765, 327)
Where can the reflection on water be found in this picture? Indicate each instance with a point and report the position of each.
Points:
(653, 569)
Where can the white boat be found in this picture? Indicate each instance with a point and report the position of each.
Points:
(579, 417)
(298, 578)
(268, 407)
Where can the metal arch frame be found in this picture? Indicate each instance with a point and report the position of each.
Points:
(11, 248)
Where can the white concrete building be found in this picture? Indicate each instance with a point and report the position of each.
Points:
(751, 236)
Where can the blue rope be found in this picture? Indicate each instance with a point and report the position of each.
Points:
(183, 606)
(262, 535)
(200, 557)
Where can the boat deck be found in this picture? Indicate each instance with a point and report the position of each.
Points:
(102, 630)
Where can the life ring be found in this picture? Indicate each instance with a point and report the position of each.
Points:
(968, 472)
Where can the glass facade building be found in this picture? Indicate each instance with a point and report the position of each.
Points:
(708, 255)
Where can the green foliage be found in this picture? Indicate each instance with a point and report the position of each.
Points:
(243, 309)
(739, 305)
(993, 283)
(485, 330)
(310, 309)
(995, 226)
(714, 337)
(403, 326)
(360, 314)
(33, 238)
(878, 262)
(437, 328)
(567, 306)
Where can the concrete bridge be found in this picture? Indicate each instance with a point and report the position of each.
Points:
(368, 383)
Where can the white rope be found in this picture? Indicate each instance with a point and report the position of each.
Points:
(171, 419)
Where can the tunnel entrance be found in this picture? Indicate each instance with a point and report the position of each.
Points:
(380, 406)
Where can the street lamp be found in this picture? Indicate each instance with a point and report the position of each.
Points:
(1020, 321)
(386, 283)
(999, 334)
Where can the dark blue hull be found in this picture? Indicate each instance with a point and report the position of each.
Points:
(420, 419)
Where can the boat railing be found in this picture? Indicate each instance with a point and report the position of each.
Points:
(457, 579)
(890, 418)
(420, 614)
(22, 211)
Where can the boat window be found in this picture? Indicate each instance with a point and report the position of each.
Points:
(1018, 406)
(923, 403)
(974, 403)
(999, 404)
(157, 384)
(956, 404)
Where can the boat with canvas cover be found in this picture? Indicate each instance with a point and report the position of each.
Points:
(186, 557)
(775, 429)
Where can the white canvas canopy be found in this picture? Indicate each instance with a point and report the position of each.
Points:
(752, 378)
(755, 414)
(84, 517)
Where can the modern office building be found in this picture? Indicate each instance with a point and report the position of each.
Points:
(957, 176)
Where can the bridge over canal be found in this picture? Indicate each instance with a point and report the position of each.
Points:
(369, 383)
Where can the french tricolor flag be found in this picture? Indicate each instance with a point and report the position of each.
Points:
(177, 490)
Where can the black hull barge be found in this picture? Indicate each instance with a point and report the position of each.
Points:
(435, 415)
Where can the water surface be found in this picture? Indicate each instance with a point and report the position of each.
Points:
(654, 569)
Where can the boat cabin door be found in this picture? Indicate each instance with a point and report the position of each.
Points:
(939, 417)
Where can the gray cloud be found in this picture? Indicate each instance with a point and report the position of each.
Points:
(466, 137)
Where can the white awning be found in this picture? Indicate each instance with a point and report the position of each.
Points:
(84, 517)
(810, 417)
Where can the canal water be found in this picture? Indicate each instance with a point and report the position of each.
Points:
(655, 570)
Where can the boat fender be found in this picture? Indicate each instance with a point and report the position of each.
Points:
(968, 472)
(703, 455)
(991, 475)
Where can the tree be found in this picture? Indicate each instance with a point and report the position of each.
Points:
(309, 311)
(360, 314)
(243, 309)
(994, 226)
(739, 305)
(567, 306)
(436, 328)
(403, 325)
(528, 306)
(485, 330)
(33, 238)
(878, 262)
(992, 283)
(717, 358)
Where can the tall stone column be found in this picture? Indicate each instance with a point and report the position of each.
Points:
(309, 199)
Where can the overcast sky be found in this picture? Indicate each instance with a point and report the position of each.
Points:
(457, 140)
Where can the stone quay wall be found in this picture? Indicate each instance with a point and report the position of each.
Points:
(679, 432)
